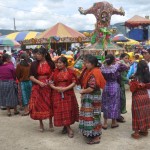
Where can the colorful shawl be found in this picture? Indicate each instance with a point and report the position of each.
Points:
(100, 81)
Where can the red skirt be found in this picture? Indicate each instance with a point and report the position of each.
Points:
(40, 104)
(66, 111)
(140, 110)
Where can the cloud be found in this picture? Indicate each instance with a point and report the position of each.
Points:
(43, 14)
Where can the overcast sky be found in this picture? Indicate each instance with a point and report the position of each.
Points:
(43, 14)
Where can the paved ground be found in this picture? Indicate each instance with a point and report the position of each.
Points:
(20, 133)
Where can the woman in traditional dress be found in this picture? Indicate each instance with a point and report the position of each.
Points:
(111, 92)
(90, 112)
(22, 73)
(84, 69)
(8, 86)
(124, 59)
(40, 105)
(65, 103)
(140, 100)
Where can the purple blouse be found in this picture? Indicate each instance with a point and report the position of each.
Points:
(112, 73)
(7, 72)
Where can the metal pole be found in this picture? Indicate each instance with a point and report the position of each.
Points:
(14, 24)
(66, 46)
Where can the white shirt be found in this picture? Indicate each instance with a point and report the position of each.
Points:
(13, 60)
(149, 66)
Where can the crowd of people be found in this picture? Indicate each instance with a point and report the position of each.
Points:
(45, 89)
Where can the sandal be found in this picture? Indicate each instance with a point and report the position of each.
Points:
(115, 126)
(9, 114)
(41, 129)
(93, 142)
(64, 130)
(25, 114)
(51, 129)
(16, 113)
(135, 135)
(143, 133)
(3, 108)
(124, 112)
(104, 127)
(71, 135)
(121, 119)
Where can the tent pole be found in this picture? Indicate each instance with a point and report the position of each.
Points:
(66, 47)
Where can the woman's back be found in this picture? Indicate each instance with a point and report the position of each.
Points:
(7, 72)
(110, 73)
(22, 72)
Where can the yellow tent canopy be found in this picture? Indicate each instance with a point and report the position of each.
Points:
(130, 42)
(148, 42)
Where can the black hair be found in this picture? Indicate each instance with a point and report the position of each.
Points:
(24, 59)
(93, 60)
(35, 51)
(85, 57)
(4, 51)
(143, 73)
(47, 56)
(4, 58)
(63, 60)
(123, 55)
(109, 59)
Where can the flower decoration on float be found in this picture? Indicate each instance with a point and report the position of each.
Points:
(103, 37)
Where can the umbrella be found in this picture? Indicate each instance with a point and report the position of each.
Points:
(20, 36)
(120, 38)
(9, 42)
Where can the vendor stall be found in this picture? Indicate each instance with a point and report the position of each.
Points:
(57, 36)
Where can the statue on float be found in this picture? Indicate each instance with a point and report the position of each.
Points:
(103, 12)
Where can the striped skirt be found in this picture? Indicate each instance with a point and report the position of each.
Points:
(140, 110)
(25, 91)
(90, 115)
(8, 93)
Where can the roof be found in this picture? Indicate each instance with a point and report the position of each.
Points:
(99, 47)
(137, 21)
(20, 36)
(60, 30)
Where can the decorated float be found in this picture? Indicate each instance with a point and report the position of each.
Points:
(101, 43)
